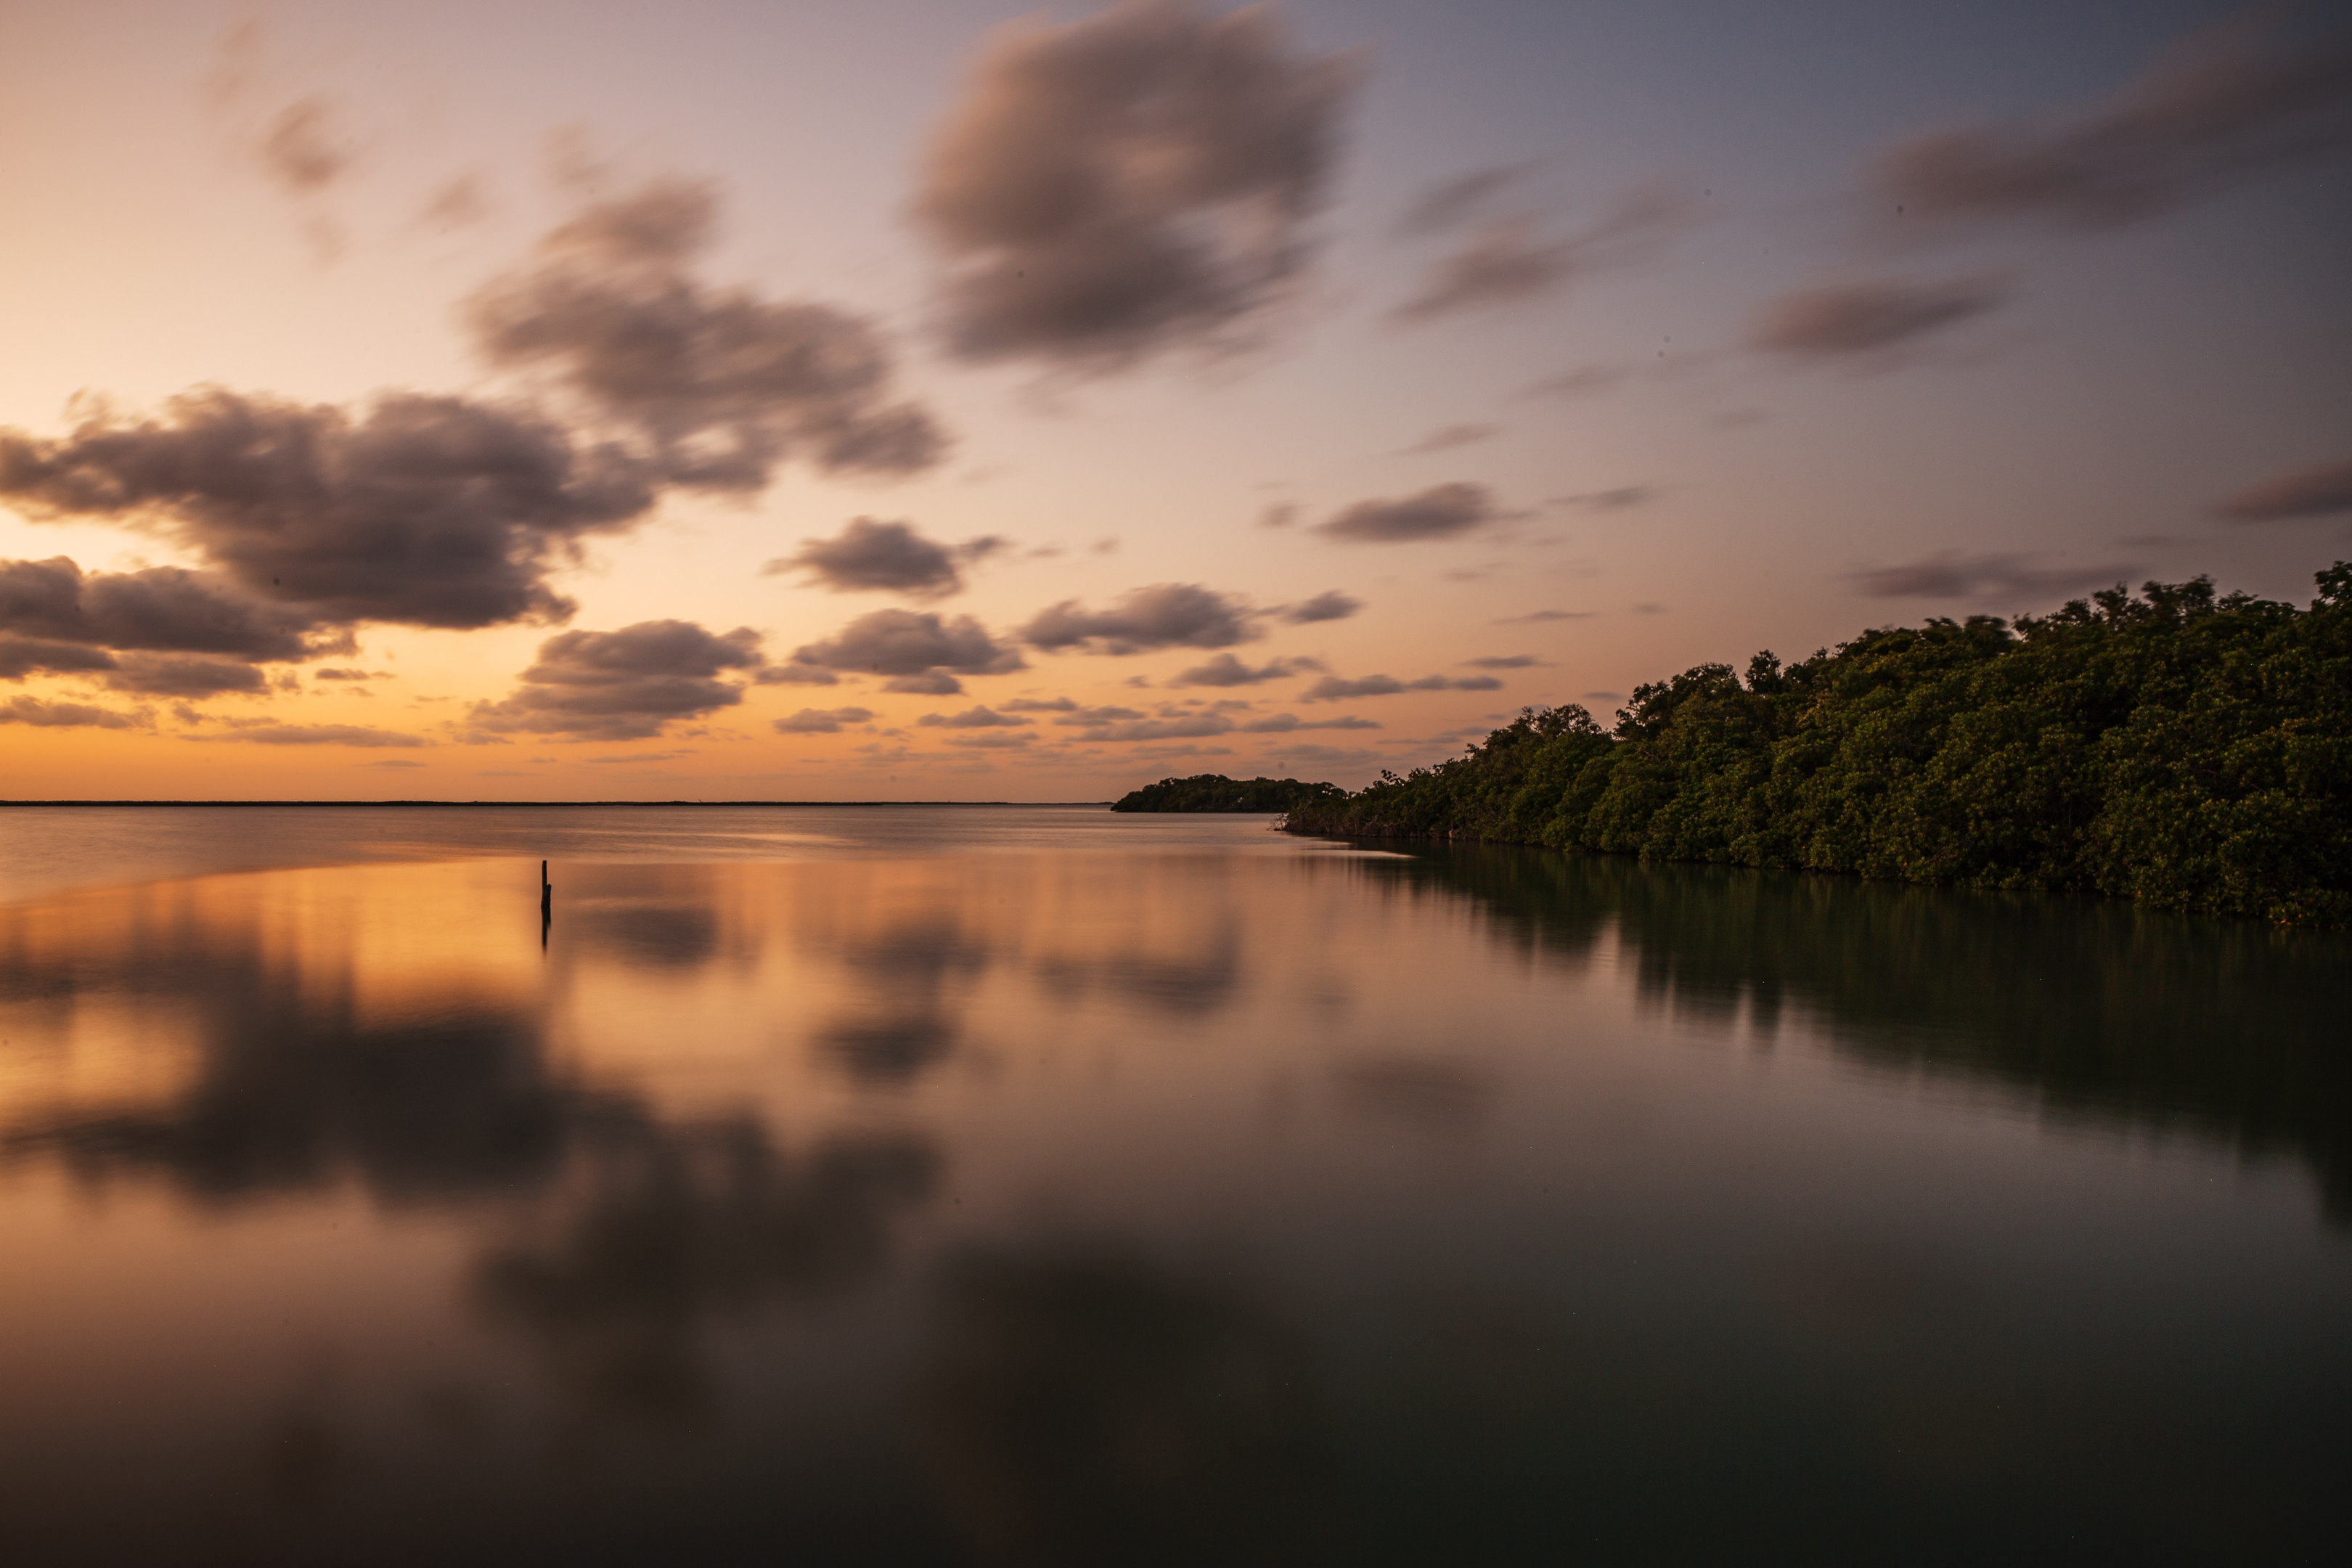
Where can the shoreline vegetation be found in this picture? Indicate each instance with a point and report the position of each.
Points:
(1214, 792)
(2185, 751)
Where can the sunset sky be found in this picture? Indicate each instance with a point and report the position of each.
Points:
(956, 401)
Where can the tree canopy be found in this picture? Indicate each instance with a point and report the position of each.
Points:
(2188, 751)
(1214, 792)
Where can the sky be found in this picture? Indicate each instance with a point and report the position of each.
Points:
(952, 401)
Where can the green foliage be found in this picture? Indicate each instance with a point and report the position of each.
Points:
(2190, 751)
(1214, 792)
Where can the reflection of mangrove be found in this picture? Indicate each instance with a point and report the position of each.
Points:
(680, 1227)
(2103, 1010)
(1079, 1405)
(910, 1020)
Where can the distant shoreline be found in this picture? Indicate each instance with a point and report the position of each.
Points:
(544, 805)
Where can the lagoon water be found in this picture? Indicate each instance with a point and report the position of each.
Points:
(1037, 1185)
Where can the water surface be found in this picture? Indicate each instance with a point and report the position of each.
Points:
(1032, 1187)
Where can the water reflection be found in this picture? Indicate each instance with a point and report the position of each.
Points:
(671, 1229)
(2229, 1029)
(1033, 1208)
(1080, 1403)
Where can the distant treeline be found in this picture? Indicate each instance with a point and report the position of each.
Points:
(1214, 792)
(2187, 751)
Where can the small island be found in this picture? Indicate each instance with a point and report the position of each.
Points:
(1214, 792)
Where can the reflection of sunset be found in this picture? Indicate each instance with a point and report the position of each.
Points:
(355, 1192)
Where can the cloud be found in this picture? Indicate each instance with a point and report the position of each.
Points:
(1857, 322)
(1450, 203)
(1166, 615)
(1448, 437)
(306, 149)
(350, 675)
(1513, 259)
(1952, 576)
(1284, 723)
(183, 675)
(434, 511)
(1280, 515)
(20, 657)
(926, 683)
(392, 763)
(721, 384)
(2323, 490)
(874, 555)
(458, 204)
(1226, 670)
(1184, 727)
(1041, 705)
(622, 685)
(66, 715)
(163, 609)
(1619, 499)
(1131, 182)
(318, 735)
(1586, 381)
(796, 675)
(1537, 617)
(920, 652)
(1331, 606)
(2214, 112)
(1505, 661)
(1335, 689)
(821, 721)
(1442, 511)
(981, 718)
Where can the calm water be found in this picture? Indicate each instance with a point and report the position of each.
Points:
(1042, 1186)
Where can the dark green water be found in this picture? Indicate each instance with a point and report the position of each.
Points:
(1049, 1187)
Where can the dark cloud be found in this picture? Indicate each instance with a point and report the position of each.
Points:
(1537, 617)
(350, 675)
(981, 718)
(2324, 490)
(1515, 258)
(821, 721)
(920, 652)
(20, 657)
(1133, 181)
(1041, 705)
(1284, 723)
(163, 609)
(1336, 688)
(872, 554)
(66, 715)
(1444, 511)
(1505, 661)
(1871, 321)
(1953, 575)
(1166, 615)
(721, 384)
(306, 148)
(2216, 112)
(1226, 670)
(796, 675)
(622, 685)
(269, 734)
(432, 512)
(1331, 606)
(1449, 437)
(183, 675)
